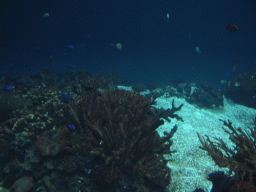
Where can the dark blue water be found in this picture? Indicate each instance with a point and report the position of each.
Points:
(79, 33)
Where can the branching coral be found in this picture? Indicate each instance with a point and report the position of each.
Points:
(117, 128)
(165, 114)
(243, 161)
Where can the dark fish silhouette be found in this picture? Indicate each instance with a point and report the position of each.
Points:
(231, 27)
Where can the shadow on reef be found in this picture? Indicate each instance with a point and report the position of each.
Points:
(84, 135)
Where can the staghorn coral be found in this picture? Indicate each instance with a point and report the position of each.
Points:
(242, 162)
(118, 130)
(165, 114)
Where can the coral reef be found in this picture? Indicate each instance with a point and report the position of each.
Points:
(204, 96)
(75, 131)
(116, 127)
(244, 84)
(10, 102)
(47, 142)
(241, 160)
(24, 184)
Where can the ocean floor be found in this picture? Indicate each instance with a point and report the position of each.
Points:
(191, 165)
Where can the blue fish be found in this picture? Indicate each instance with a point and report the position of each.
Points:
(9, 88)
(62, 80)
(72, 127)
(66, 98)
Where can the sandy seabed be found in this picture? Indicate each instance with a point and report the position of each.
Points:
(191, 165)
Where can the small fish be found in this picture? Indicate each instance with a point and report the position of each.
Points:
(231, 27)
(70, 46)
(51, 60)
(198, 50)
(46, 15)
(3, 89)
(167, 17)
(72, 127)
(66, 98)
(118, 46)
(9, 88)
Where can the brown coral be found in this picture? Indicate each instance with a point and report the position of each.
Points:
(117, 128)
(243, 163)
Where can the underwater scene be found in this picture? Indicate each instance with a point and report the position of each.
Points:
(128, 96)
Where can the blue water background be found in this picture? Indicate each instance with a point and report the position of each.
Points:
(153, 50)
